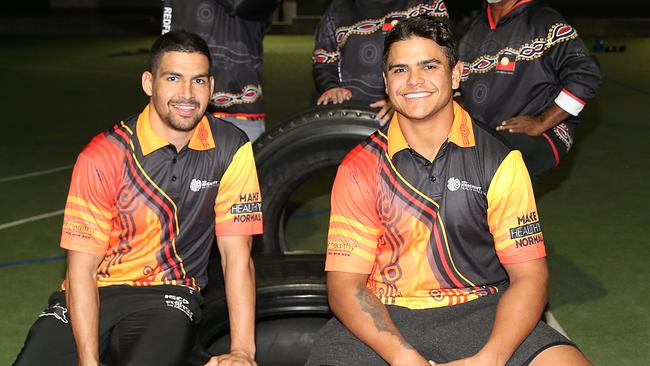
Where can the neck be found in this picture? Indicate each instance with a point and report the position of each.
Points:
(426, 137)
(177, 138)
(500, 9)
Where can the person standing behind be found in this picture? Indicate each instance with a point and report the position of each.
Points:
(234, 31)
(347, 62)
(435, 251)
(527, 75)
(145, 201)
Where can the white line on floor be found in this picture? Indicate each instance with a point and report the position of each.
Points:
(35, 174)
(550, 320)
(30, 219)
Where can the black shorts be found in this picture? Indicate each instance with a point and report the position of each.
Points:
(439, 334)
(137, 326)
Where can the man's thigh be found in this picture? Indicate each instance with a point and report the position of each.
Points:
(441, 335)
(160, 336)
(150, 311)
(459, 331)
(336, 346)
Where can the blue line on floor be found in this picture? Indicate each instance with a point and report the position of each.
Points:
(300, 216)
(32, 261)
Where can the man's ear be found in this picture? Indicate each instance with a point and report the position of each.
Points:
(211, 78)
(383, 74)
(456, 73)
(147, 83)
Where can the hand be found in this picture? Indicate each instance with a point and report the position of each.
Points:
(531, 126)
(234, 358)
(385, 113)
(334, 96)
(411, 358)
(482, 358)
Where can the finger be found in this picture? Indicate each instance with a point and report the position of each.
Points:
(516, 130)
(383, 121)
(212, 362)
(340, 96)
(507, 125)
(322, 99)
(331, 98)
(380, 103)
(382, 112)
(337, 97)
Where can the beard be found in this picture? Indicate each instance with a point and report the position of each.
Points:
(183, 124)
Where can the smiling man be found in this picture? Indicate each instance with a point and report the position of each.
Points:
(435, 251)
(145, 201)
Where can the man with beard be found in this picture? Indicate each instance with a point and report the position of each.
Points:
(145, 201)
(435, 252)
(347, 61)
(527, 75)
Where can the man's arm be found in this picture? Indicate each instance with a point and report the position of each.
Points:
(239, 275)
(535, 126)
(579, 77)
(367, 318)
(82, 298)
(518, 311)
(325, 63)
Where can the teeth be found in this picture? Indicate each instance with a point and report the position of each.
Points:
(417, 95)
(184, 107)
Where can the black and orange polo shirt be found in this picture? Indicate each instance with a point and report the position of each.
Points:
(433, 233)
(151, 211)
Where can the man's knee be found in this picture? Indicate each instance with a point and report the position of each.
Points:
(49, 342)
(563, 354)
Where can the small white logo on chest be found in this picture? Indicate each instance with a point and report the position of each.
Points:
(454, 184)
(197, 184)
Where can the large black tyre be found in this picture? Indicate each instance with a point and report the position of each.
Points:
(291, 308)
(296, 150)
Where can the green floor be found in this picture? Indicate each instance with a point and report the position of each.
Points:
(58, 93)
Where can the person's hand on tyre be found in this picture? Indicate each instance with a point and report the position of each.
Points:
(385, 113)
(334, 96)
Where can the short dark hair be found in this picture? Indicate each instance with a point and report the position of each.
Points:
(427, 27)
(177, 41)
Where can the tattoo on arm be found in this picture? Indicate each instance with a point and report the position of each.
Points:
(370, 305)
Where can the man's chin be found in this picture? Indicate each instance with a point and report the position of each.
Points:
(183, 125)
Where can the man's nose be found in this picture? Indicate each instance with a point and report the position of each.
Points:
(186, 89)
(414, 77)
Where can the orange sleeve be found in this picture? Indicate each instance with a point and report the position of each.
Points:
(238, 207)
(354, 223)
(89, 209)
(512, 213)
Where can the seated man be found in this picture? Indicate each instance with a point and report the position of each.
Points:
(435, 252)
(145, 201)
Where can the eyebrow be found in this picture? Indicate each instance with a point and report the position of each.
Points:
(422, 62)
(174, 73)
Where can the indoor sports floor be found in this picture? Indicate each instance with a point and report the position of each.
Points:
(59, 92)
